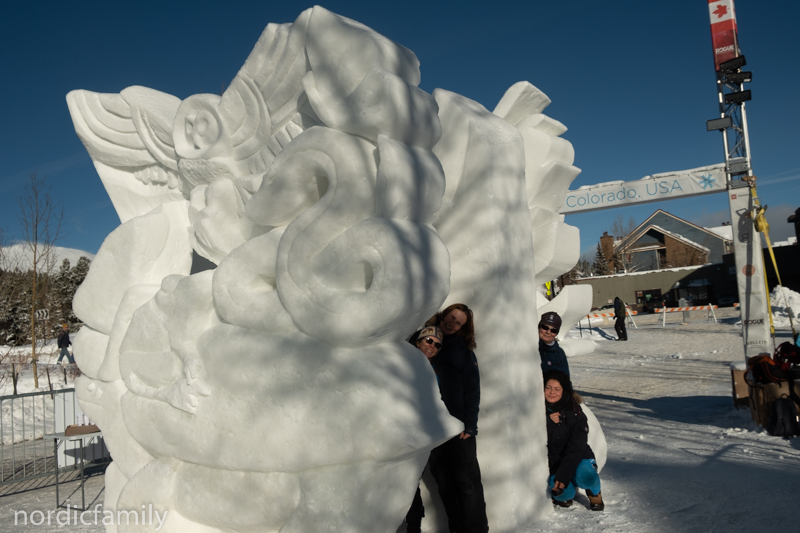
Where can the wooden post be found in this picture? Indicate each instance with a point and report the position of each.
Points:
(14, 376)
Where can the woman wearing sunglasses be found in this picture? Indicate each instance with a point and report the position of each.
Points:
(429, 342)
(454, 464)
(553, 357)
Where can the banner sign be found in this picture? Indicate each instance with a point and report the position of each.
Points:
(753, 298)
(666, 186)
(723, 31)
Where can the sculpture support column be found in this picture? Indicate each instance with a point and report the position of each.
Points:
(486, 225)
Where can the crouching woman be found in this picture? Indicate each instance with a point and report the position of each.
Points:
(571, 460)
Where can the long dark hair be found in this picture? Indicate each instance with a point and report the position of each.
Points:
(467, 330)
(566, 386)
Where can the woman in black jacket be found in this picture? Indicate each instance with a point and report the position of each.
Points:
(571, 459)
(454, 464)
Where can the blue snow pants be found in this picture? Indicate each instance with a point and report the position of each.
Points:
(585, 477)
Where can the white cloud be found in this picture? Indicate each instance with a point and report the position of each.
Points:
(20, 256)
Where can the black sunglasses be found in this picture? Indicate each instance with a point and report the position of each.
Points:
(548, 328)
(437, 345)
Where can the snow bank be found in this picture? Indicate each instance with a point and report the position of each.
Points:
(785, 302)
(21, 255)
(29, 418)
(575, 347)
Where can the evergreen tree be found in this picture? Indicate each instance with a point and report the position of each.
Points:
(581, 269)
(62, 295)
(584, 268)
(600, 264)
(78, 273)
(55, 293)
(65, 285)
(15, 299)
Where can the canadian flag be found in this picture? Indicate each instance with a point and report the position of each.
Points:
(721, 11)
(723, 30)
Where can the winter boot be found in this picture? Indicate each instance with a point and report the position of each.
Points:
(567, 503)
(595, 501)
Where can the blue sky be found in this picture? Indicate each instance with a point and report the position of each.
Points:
(633, 81)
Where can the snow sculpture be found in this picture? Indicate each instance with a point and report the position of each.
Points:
(244, 346)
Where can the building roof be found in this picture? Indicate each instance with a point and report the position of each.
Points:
(645, 226)
(725, 232)
(643, 272)
(681, 238)
(791, 241)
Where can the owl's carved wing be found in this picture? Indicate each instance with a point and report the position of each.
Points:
(150, 147)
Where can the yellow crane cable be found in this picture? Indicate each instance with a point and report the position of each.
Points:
(762, 226)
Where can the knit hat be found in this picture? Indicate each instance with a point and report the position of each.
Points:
(430, 331)
(551, 319)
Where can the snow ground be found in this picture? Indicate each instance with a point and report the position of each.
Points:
(48, 356)
(18, 506)
(33, 414)
(681, 458)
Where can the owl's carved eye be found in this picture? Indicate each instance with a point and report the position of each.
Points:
(199, 132)
(202, 129)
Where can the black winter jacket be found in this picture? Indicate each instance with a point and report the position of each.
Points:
(63, 339)
(456, 370)
(567, 441)
(553, 358)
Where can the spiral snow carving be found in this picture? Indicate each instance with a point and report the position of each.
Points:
(245, 324)
(337, 261)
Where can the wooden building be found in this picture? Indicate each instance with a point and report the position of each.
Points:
(666, 241)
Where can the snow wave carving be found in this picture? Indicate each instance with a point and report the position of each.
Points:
(548, 175)
(246, 322)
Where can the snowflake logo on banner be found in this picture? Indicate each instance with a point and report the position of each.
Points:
(707, 182)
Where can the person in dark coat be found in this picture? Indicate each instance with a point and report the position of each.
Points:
(619, 319)
(64, 344)
(569, 456)
(454, 464)
(429, 342)
(551, 354)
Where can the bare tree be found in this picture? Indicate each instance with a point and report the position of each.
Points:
(581, 269)
(620, 229)
(4, 319)
(681, 254)
(40, 220)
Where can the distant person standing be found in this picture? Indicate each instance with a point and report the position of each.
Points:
(552, 355)
(64, 343)
(619, 319)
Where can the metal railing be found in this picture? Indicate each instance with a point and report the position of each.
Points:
(25, 419)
